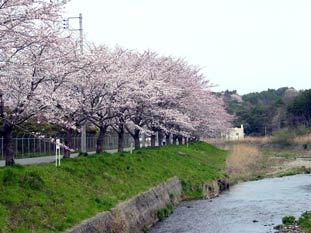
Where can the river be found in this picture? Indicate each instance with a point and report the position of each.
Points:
(255, 206)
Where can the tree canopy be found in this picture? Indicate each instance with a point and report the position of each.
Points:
(43, 77)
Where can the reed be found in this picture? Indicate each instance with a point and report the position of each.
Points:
(303, 140)
(245, 162)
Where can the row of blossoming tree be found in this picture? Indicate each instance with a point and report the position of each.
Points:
(43, 76)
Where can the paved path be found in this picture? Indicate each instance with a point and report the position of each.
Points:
(48, 159)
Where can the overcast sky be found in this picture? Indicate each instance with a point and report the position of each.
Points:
(243, 45)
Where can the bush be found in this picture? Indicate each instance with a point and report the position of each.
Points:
(165, 212)
(288, 220)
(302, 130)
(283, 136)
(81, 154)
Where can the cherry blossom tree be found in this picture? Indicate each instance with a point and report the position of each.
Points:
(194, 105)
(99, 87)
(125, 84)
(29, 59)
(42, 75)
(146, 92)
(24, 23)
(153, 98)
(82, 94)
(29, 80)
(162, 94)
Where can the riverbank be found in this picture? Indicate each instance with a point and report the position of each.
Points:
(251, 161)
(291, 225)
(289, 165)
(43, 198)
(253, 206)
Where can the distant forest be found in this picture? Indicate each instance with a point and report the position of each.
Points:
(264, 112)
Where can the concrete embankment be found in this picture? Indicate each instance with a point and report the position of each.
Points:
(141, 212)
(135, 214)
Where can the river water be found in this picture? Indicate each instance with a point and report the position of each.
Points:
(255, 206)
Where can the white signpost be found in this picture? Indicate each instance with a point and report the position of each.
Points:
(143, 139)
(57, 155)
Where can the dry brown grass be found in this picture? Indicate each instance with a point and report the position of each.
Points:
(245, 162)
(302, 140)
(257, 140)
(251, 140)
(242, 158)
(213, 140)
(299, 140)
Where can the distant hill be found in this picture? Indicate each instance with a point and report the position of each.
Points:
(260, 112)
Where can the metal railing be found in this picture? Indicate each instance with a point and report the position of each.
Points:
(27, 146)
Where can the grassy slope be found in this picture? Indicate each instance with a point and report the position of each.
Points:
(305, 222)
(43, 198)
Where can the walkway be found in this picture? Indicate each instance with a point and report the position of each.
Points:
(48, 159)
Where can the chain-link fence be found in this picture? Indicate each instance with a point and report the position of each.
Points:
(27, 146)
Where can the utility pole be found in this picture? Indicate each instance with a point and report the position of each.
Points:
(81, 33)
(80, 29)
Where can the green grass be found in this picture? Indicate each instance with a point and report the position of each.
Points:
(304, 222)
(43, 198)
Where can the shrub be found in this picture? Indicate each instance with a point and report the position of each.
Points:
(165, 212)
(305, 146)
(145, 229)
(288, 220)
(83, 154)
(283, 136)
(302, 130)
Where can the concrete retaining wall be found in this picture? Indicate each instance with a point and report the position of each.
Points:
(140, 212)
(136, 214)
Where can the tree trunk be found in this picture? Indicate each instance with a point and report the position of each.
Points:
(1, 104)
(121, 138)
(136, 139)
(180, 140)
(67, 142)
(143, 140)
(9, 152)
(160, 137)
(174, 139)
(186, 140)
(153, 140)
(167, 139)
(100, 139)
